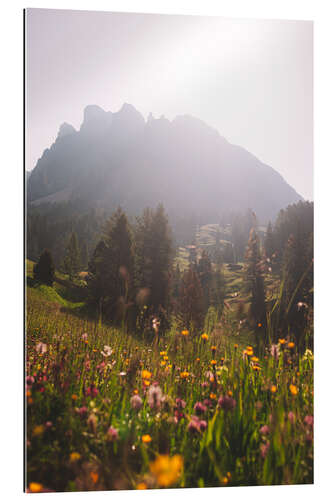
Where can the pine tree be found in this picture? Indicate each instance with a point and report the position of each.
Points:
(190, 310)
(72, 257)
(205, 274)
(44, 270)
(254, 285)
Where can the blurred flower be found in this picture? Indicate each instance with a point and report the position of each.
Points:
(154, 397)
(136, 402)
(308, 355)
(204, 336)
(293, 389)
(38, 430)
(180, 403)
(196, 425)
(282, 341)
(308, 420)
(92, 422)
(264, 447)
(84, 336)
(35, 487)
(91, 391)
(141, 486)
(275, 351)
(41, 348)
(291, 417)
(273, 389)
(74, 456)
(227, 403)
(112, 434)
(264, 430)
(30, 380)
(200, 408)
(146, 438)
(291, 345)
(107, 351)
(185, 333)
(184, 374)
(167, 470)
(145, 374)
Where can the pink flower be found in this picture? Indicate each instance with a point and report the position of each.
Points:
(112, 434)
(227, 403)
(275, 351)
(264, 447)
(291, 417)
(308, 420)
(180, 403)
(154, 396)
(82, 411)
(200, 408)
(264, 430)
(92, 391)
(136, 402)
(84, 336)
(41, 348)
(196, 425)
(30, 380)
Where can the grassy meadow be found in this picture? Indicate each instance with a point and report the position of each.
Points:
(110, 410)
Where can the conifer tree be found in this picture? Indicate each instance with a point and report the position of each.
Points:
(205, 274)
(254, 285)
(72, 257)
(44, 270)
(190, 312)
(269, 242)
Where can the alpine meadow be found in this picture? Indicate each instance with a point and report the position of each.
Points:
(169, 304)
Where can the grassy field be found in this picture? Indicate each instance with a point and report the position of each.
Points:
(109, 410)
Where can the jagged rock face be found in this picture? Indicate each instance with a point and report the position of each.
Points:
(119, 158)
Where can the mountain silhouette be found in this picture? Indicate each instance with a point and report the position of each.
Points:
(122, 159)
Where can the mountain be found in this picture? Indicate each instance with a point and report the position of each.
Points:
(119, 158)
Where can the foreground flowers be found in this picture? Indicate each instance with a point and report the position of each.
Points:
(167, 470)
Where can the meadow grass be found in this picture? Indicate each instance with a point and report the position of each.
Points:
(206, 411)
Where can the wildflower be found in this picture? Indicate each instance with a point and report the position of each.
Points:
(224, 480)
(256, 368)
(282, 341)
(212, 395)
(163, 353)
(185, 333)
(293, 389)
(112, 434)
(291, 345)
(74, 397)
(275, 351)
(30, 380)
(204, 336)
(213, 362)
(74, 456)
(230, 393)
(38, 430)
(308, 420)
(200, 408)
(141, 486)
(92, 422)
(145, 374)
(255, 359)
(154, 397)
(107, 351)
(264, 430)
(196, 425)
(146, 438)
(82, 411)
(264, 447)
(291, 417)
(94, 476)
(48, 424)
(35, 487)
(235, 346)
(84, 336)
(167, 470)
(259, 325)
(184, 374)
(41, 348)
(213, 348)
(227, 403)
(136, 402)
(273, 389)
(197, 359)
(180, 403)
(308, 355)
(92, 391)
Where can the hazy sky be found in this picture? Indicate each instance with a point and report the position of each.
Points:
(251, 80)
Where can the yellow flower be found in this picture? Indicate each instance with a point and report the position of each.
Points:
(293, 389)
(291, 345)
(38, 430)
(185, 333)
(146, 383)
(230, 393)
(255, 359)
(145, 374)
(282, 341)
(204, 336)
(165, 358)
(163, 363)
(184, 374)
(146, 438)
(74, 397)
(35, 487)
(225, 480)
(256, 368)
(235, 346)
(273, 389)
(213, 347)
(212, 395)
(167, 470)
(74, 456)
(135, 391)
(141, 486)
(163, 353)
(213, 362)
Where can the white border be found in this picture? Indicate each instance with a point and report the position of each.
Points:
(11, 285)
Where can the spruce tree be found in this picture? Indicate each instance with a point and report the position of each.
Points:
(254, 285)
(72, 257)
(190, 310)
(44, 270)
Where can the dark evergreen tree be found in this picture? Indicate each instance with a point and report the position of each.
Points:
(44, 270)
(269, 242)
(190, 311)
(205, 274)
(71, 263)
(254, 285)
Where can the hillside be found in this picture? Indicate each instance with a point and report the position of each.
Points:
(119, 158)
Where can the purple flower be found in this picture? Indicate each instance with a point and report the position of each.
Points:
(92, 391)
(200, 408)
(196, 425)
(291, 417)
(308, 420)
(112, 434)
(82, 411)
(136, 402)
(264, 447)
(227, 403)
(154, 396)
(180, 403)
(30, 380)
(264, 430)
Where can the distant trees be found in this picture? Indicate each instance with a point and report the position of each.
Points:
(71, 262)
(191, 308)
(254, 285)
(44, 270)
